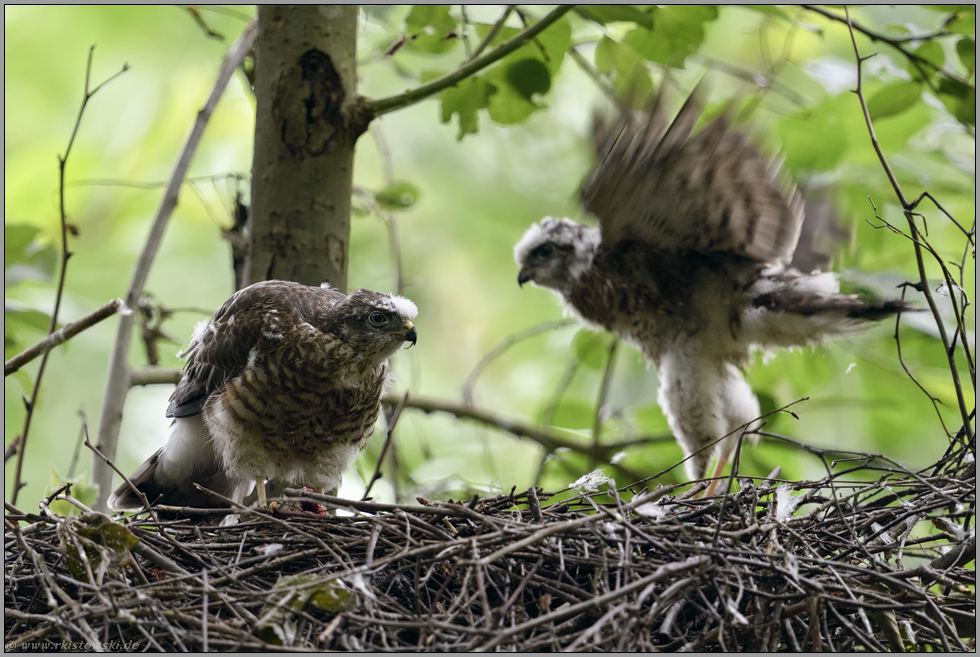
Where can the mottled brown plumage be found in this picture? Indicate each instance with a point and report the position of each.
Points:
(691, 264)
(283, 383)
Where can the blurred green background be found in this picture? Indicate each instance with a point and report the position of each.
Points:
(475, 198)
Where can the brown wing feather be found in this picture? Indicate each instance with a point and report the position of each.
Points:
(253, 319)
(713, 192)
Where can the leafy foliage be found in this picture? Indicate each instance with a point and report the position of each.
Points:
(461, 195)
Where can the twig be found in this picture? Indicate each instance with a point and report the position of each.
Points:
(196, 15)
(600, 401)
(914, 232)
(503, 346)
(389, 434)
(550, 441)
(63, 270)
(66, 333)
(915, 59)
(412, 96)
(118, 378)
(492, 34)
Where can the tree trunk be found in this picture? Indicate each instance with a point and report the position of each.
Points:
(302, 169)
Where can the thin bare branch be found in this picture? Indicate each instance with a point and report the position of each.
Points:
(412, 96)
(924, 286)
(118, 378)
(63, 269)
(61, 336)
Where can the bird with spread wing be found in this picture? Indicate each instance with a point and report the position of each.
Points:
(284, 383)
(692, 264)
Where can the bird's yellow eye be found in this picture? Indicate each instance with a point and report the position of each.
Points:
(378, 318)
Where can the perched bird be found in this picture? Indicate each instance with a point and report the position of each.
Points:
(284, 383)
(691, 263)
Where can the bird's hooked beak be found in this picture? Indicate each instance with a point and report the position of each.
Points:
(411, 335)
(523, 277)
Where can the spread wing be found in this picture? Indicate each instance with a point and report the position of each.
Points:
(708, 193)
(251, 323)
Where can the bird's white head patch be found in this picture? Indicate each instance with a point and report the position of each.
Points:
(401, 306)
(562, 232)
(556, 252)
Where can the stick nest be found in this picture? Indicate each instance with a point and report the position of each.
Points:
(870, 558)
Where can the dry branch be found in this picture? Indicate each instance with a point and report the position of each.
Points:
(61, 336)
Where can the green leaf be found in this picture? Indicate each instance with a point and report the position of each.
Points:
(631, 83)
(932, 52)
(549, 47)
(604, 14)
(22, 327)
(819, 137)
(81, 490)
(966, 49)
(959, 99)
(100, 538)
(26, 317)
(894, 99)
(26, 256)
(289, 595)
(965, 21)
(590, 348)
(678, 32)
(398, 196)
(767, 403)
(16, 240)
(506, 105)
(465, 100)
(528, 77)
(431, 29)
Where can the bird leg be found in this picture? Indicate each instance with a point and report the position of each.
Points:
(260, 491)
(717, 481)
(318, 490)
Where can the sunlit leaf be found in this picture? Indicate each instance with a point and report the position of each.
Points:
(894, 99)
(465, 100)
(549, 46)
(632, 82)
(965, 21)
(677, 32)
(431, 28)
(81, 490)
(506, 105)
(930, 51)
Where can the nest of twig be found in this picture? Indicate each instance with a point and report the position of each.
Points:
(870, 558)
